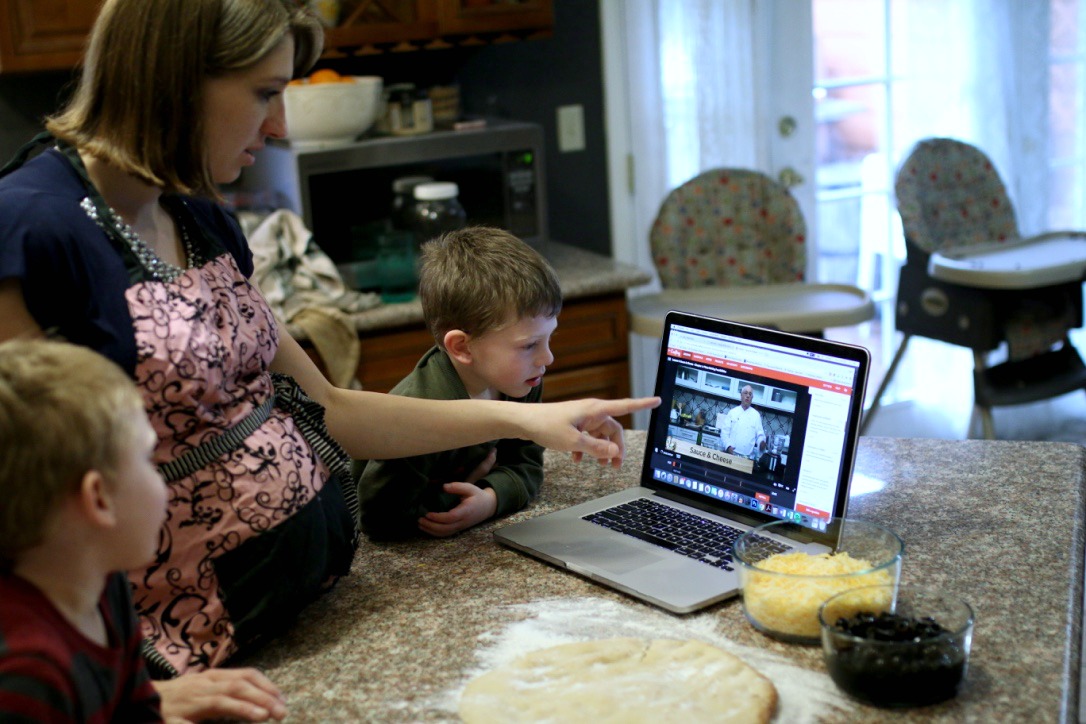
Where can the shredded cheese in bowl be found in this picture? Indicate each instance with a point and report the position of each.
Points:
(788, 604)
(782, 592)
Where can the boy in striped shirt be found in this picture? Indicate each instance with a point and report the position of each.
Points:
(80, 502)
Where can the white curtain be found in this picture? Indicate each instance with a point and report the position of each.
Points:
(690, 79)
(977, 70)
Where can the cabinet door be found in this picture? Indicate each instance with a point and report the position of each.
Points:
(44, 34)
(456, 17)
(367, 23)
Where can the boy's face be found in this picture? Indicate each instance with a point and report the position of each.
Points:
(511, 360)
(139, 496)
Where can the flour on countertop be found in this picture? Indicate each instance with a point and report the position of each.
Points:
(805, 696)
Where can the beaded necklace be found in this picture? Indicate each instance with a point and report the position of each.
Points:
(156, 266)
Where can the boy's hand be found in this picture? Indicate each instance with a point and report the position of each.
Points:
(476, 505)
(244, 694)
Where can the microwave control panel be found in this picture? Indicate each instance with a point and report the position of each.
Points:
(520, 194)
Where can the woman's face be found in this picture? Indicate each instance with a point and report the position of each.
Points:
(243, 108)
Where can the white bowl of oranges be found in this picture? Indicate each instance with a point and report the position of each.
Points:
(327, 107)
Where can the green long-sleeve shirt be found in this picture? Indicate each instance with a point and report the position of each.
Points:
(394, 494)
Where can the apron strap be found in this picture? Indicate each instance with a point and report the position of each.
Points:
(23, 154)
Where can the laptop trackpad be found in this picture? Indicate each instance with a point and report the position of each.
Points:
(606, 556)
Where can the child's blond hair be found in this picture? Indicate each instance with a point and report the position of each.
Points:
(477, 278)
(64, 410)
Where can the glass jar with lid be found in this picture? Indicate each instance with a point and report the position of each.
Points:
(403, 200)
(437, 210)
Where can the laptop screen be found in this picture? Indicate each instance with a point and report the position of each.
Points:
(755, 419)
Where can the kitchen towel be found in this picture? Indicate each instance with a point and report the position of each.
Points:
(304, 289)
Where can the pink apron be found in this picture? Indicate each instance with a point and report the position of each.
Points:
(205, 342)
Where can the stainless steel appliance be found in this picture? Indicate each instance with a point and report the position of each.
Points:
(341, 190)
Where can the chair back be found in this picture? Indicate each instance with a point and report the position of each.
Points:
(728, 227)
(949, 194)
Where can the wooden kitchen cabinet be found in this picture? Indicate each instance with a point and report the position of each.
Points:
(590, 346)
(371, 25)
(456, 17)
(50, 34)
(44, 34)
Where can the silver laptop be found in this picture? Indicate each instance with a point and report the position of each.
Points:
(755, 425)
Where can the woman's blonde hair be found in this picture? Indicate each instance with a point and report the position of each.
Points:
(139, 99)
(64, 410)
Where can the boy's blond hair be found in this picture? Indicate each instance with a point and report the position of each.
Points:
(139, 101)
(477, 278)
(64, 410)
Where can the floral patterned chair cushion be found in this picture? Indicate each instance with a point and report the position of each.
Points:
(949, 194)
(729, 227)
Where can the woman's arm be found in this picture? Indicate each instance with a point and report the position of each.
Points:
(375, 426)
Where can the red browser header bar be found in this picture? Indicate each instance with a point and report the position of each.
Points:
(727, 364)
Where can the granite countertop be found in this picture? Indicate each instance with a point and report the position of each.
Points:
(998, 522)
(581, 273)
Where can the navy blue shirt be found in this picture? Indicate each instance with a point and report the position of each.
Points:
(73, 275)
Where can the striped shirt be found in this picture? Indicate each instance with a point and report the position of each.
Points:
(50, 672)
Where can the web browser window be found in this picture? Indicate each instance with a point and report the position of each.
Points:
(759, 426)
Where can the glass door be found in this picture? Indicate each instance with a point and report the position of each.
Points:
(889, 72)
(1067, 115)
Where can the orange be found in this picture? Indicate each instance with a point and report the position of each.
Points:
(324, 75)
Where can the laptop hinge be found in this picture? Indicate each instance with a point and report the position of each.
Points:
(738, 514)
(797, 533)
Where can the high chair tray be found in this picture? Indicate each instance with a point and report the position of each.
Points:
(1040, 261)
(790, 307)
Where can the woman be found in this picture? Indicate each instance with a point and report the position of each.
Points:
(111, 238)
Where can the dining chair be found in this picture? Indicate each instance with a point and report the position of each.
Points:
(970, 279)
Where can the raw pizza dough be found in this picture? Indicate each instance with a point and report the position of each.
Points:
(621, 680)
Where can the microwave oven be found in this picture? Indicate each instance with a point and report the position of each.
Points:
(341, 190)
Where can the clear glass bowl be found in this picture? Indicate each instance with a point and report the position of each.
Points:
(876, 652)
(781, 595)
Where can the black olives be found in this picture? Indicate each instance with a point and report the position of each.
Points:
(888, 626)
(897, 661)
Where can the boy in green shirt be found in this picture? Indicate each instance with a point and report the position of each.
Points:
(492, 304)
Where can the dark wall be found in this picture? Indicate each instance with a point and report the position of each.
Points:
(530, 81)
(525, 80)
(24, 101)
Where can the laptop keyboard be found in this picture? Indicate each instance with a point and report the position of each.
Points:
(685, 533)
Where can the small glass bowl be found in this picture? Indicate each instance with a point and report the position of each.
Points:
(917, 669)
(785, 605)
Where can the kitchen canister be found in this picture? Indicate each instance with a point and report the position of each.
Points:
(403, 200)
(409, 112)
(437, 210)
